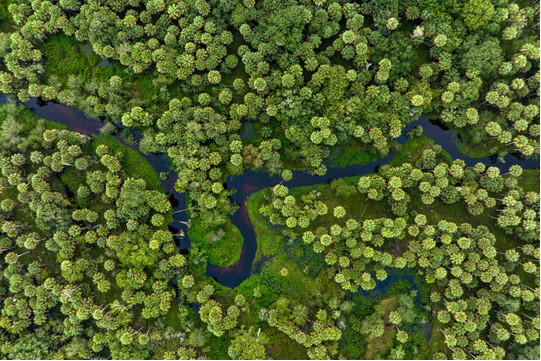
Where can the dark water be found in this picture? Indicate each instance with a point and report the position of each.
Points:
(393, 276)
(251, 181)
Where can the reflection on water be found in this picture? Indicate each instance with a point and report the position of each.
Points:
(251, 181)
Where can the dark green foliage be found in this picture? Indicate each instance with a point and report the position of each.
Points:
(223, 245)
(416, 346)
(21, 129)
(132, 161)
(64, 56)
(359, 268)
(4, 13)
(481, 55)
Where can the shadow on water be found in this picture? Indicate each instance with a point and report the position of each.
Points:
(251, 181)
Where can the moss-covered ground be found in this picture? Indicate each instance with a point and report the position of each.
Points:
(223, 244)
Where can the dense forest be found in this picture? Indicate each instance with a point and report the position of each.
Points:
(432, 254)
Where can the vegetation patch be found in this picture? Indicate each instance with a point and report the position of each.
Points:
(223, 245)
(65, 57)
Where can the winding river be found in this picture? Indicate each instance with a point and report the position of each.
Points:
(251, 181)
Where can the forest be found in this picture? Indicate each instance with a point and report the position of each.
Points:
(269, 179)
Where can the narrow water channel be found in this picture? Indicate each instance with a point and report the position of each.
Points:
(251, 181)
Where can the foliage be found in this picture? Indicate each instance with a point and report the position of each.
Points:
(90, 268)
(223, 245)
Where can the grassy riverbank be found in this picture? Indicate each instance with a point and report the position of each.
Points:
(275, 243)
(223, 245)
(270, 239)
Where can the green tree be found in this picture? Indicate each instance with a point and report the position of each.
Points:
(248, 345)
(477, 13)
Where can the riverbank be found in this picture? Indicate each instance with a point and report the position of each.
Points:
(223, 245)
(249, 182)
(275, 243)
(270, 240)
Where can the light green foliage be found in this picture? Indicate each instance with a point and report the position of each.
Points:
(87, 257)
(477, 13)
(248, 345)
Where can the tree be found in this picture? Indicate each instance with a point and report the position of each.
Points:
(111, 163)
(339, 212)
(392, 23)
(417, 100)
(373, 325)
(260, 84)
(214, 77)
(477, 13)
(248, 345)
(31, 347)
(394, 318)
(402, 336)
(483, 57)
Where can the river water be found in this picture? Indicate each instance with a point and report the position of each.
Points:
(251, 181)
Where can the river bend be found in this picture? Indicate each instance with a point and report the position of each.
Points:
(251, 181)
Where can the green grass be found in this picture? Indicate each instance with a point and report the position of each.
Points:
(378, 347)
(270, 241)
(473, 141)
(458, 212)
(27, 118)
(413, 150)
(297, 286)
(6, 21)
(437, 339)
(359, 206)
(356, 206)
(354, 153)
(133, 163)
(485, 148)
(529, 180)
(223, 245)
(239, 71)
(64, 57)
(276, 251)
(281, 347)
(140, 87)
(421, 56)
(32, 127)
